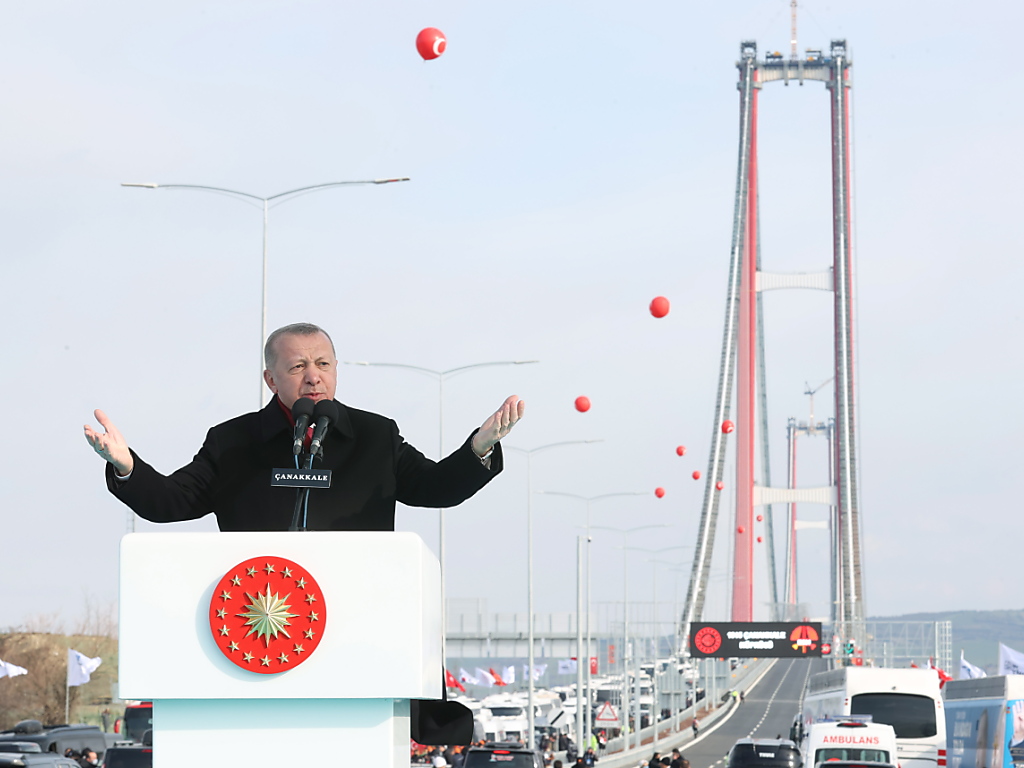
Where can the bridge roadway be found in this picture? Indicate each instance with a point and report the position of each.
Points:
(767, 712)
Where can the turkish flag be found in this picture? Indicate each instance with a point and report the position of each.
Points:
(451, 682)
(593, 665)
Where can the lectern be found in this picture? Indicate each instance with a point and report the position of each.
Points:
(261, 645)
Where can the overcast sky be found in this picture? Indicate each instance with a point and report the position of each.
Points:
(569, 162)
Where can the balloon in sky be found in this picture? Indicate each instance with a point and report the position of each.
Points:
(759, 539)
(431, 43)
(696, 474)
(728, 426)
(741, 529)
(719, 485)
(582, 403)
(659, 306)
(659, 492)
(760, 518)
(680, 450)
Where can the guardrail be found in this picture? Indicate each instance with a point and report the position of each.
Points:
(614, 757)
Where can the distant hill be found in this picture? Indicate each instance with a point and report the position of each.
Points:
(977, 633)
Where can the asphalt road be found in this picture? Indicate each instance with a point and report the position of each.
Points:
(767, 713)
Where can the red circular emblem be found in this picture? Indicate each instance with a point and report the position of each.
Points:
(267, 614)
(707, 640)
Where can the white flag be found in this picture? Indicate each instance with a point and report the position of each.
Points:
(485, 678)
(1011, 662)
(567, 666)
(465, 677)
(538, 671)
(11, 670)
(508, 675)
(968, 671)
(80, 667)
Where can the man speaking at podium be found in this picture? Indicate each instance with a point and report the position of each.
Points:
(372, 466)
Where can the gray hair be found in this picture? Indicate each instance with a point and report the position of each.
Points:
(295, 329)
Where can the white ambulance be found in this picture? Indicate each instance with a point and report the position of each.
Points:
(850, 738)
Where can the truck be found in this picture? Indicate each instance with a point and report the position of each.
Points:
(985, 722)
(909, 700)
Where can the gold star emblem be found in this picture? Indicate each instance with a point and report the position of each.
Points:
(232, 647)
(301, 583)
(287, 573)
(267, 615)
(247, 657)
(299, 649)
(313, 617)
(224, 630)
(265, 661)
(251, 571)
(268, 568)
(283, 658)
(225, 595)
(236, 581)
(310, 598)
(221, 613)
(309, 634)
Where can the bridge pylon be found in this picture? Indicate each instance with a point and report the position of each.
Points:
(742, 361)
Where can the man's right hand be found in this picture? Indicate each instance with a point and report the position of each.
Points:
(110, 444)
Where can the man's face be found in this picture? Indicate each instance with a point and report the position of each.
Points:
(305, 367)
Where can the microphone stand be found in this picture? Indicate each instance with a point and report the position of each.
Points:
(302, 496)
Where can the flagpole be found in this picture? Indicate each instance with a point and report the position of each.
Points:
(67, 692)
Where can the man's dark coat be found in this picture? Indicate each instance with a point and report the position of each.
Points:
(373, 468)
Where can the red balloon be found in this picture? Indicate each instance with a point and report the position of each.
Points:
(659, 306)
(760, 518)
(582, 403)
(659, 492)
(719, 485)
(741, 529)
(696, 474)
(759, 539)
(728, 426)
(431, 43)
(680, 450)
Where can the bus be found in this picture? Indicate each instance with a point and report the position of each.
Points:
(907, 699)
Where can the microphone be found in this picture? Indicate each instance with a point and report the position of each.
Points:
(302, 410)
(325, 413)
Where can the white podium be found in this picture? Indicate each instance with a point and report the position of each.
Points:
(333, 659)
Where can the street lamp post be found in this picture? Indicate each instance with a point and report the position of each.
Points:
(531, 738)
(266, 203)
(588, 726)
(441, 376)
(625, 625)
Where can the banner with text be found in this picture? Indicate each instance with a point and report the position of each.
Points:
(762, 639)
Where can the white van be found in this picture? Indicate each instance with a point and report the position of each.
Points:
(849, 739)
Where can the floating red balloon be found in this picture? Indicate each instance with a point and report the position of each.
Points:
(430, 43)
(759, 539)
(680, 450)
(760, 518)
(582, 403)
(728, 426)
(659, 492)
(696, 474)
(741, 529)
(659, 306)
(719, 485)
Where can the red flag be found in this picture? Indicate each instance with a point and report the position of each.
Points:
(452, 682)
(497, 677)
(593, 665)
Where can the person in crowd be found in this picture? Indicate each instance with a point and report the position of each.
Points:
(590, 757)
(695, 725)
(88, 759)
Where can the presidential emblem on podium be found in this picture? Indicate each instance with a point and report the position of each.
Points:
(267, 614)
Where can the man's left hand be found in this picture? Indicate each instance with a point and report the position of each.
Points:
(498, 425)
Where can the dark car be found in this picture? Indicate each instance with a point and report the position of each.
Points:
(35, 760)
(764, 753)
(57, 738)
(134, 756)
(19, 746)
(501, 754)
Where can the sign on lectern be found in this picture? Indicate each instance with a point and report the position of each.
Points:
(279, 641)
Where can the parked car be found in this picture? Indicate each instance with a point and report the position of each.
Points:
(133, 756)
(19, 746)
(35, 760)
(502, 754)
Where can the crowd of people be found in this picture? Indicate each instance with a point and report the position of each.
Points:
(87, 758)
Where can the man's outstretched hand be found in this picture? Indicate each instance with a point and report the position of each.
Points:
(498, 425)
(111, 445)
